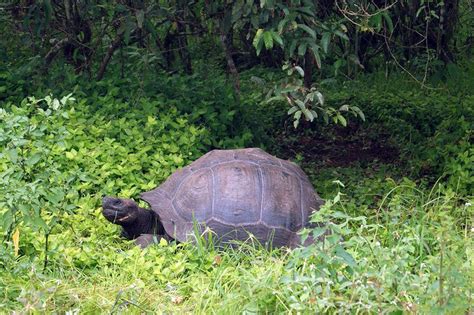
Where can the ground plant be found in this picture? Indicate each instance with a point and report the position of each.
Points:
(374, 102)
(396, 244)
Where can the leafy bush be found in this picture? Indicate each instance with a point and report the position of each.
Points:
(431, 128)
(206, 98)
(56, 158)
(391, 245)
(392, 261)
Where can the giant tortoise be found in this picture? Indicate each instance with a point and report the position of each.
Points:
(231, 192)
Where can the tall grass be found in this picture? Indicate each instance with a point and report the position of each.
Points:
(412, 253)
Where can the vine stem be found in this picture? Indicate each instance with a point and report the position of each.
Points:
(46, 245)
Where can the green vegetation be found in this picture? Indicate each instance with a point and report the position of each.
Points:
(397, 245)
(396, 166)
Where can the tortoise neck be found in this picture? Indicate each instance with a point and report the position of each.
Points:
(147, 222)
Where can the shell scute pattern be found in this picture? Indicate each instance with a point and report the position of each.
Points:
(232, 191)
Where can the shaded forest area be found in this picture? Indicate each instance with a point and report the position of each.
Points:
(373, 99)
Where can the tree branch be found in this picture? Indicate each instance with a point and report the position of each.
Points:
(54, 51)
(231, 64)
(110, 51)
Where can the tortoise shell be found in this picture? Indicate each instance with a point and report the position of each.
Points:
(234, 193)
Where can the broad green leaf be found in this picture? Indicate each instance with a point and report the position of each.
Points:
(325, 41)
(342, 120)
(13, 155)
(317, 57)
(268, 39)
(32, 160)
(281, 25)
(348, 259)
(296, 122)
(338, 182)
(317, 232)
(320, 97)
(7, 220)
(23, 207)
(341, 35)
(258, 37)
(375, 21)
(140, 14)
(309, 116)
(292, 110)
(333, 239)
(275, 98)
(300, 104)
(344, 108)
(257, 40)
(308, 30)
(55, 195)
(151, 120)
(358, 111)
(306, 10)
(277, 38)
(302, 49)
(38, 223)
(290, 88)
(300, 70)
(71, 154)
(298, 115)
(388, 20)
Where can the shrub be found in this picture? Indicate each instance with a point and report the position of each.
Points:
(57, 158)
(431, 128)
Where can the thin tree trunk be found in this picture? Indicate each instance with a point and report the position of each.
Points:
(54, 51)
(183, 48)
(110, 51)
(308, 69)
(231, 64)
(449, 18)
(181, 18)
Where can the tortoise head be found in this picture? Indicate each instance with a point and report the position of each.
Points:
(120, 211)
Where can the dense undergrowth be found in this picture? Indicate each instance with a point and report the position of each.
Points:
(398, 189)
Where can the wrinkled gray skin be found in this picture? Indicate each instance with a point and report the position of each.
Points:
(137, 223)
